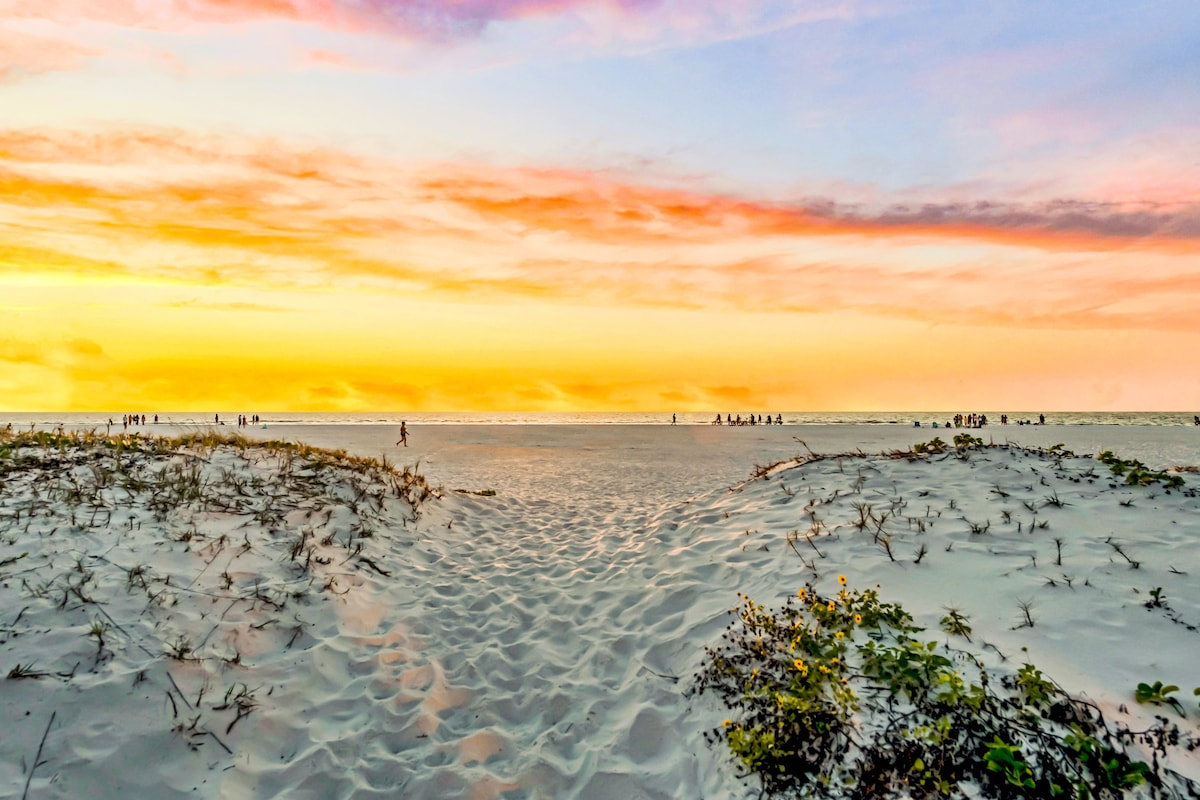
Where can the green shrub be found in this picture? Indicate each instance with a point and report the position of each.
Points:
(840, 697)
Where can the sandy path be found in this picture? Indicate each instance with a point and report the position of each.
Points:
(545, 627)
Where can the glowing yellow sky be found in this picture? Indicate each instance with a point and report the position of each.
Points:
(182, 277)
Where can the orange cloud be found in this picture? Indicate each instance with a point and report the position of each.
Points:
(587, 206)
(160, 205)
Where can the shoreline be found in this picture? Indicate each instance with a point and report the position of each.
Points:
(927, 418)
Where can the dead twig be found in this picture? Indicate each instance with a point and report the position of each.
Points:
(37, 759)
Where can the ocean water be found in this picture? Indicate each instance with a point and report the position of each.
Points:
(906, 418)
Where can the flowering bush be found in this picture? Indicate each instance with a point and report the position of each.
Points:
(837, 697)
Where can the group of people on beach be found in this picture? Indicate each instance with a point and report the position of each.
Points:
(750, 420)
(980, 420)
(131, 419)
(243, 421)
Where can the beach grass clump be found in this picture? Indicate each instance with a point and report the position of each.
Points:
(842, 697)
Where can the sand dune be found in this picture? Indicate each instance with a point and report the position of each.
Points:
(258, 620)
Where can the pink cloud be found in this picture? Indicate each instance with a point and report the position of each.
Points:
(424, 18)
(447, 20)
(362, 35)
(1157, 169)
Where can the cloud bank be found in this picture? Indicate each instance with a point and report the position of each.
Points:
(158, 205)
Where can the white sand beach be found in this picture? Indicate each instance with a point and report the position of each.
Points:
(521, 614)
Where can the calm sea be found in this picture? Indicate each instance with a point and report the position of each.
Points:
(906, 418)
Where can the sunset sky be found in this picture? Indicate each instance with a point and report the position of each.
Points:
(669, 205)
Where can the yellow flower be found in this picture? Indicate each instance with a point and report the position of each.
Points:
(842, 580)
(858, 619)
(830, 606)
(728, 723)
(800, 592)
(798, 664)
(839, 635)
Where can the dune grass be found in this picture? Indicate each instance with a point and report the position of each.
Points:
(125, 540)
